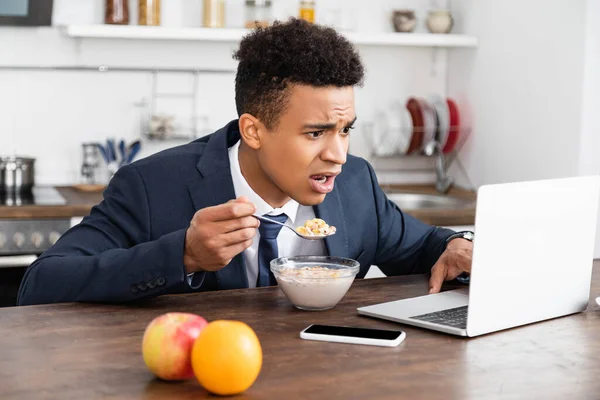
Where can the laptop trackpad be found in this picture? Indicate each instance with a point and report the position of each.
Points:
(419, 305)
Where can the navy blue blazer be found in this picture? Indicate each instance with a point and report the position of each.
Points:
(131, 245)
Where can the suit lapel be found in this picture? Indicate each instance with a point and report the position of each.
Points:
(331, 212)
(215, 187)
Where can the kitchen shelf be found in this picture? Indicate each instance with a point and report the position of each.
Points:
(235, 35)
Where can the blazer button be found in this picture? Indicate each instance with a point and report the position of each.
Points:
(134, 289)
(152, 283)
(143, 286)
(161, 281)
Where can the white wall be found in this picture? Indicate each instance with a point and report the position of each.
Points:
(589, 161)
(48, 114)
(533, 88)
(524, 87)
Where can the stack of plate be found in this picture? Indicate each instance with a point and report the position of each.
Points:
(434, 118)
(409, 128)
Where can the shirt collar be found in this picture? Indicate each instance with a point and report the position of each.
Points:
(242, 188)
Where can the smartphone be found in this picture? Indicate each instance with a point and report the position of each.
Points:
(346, 334)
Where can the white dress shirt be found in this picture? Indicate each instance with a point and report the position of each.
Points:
(288, 243)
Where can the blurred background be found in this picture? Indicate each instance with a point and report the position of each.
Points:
(459, 93)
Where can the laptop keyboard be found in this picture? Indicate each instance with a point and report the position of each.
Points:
(454, 317)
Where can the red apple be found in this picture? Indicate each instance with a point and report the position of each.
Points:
(167, 344)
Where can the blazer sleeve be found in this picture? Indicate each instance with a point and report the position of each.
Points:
(109, 256)
(405, 245)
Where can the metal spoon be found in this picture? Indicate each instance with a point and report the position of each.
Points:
(307, 237)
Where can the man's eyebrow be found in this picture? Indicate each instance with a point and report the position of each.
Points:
(326, 126)
(320, 126)
(352, 122)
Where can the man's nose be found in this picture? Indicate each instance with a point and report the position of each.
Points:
(336, 150)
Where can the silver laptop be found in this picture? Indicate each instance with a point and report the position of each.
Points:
(532, 261)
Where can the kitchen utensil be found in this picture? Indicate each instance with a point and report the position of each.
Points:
(429, 122)
(381, 135)
(111, 150)
(314, 283)
(416, 140)
(397, 138)
(454, 133)
(405, 130)
(132, 151)
(89, 162)
(122, 152)
(132, 145)
(16, 174)
(307, 237)
(443, 118)
(103, 151)
(112, 167)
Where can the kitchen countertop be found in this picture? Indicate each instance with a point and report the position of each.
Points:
(79, 203)
(439, 217)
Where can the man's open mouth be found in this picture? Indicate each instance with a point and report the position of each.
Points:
(323, 183)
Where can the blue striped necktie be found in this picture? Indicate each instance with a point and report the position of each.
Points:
(267, 248)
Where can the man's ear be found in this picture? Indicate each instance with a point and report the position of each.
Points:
(251, 130)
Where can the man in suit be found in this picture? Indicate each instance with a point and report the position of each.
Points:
(181, 220)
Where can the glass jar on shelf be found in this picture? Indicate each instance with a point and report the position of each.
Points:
(214, 14)
(149, 12)
(258, 13)
(116, 12)
(307, 10)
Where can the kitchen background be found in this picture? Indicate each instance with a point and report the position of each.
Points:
(525, 75)
(69, 108)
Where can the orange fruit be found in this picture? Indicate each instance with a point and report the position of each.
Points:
(226, 357)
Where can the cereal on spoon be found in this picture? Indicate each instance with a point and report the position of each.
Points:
(315, 227)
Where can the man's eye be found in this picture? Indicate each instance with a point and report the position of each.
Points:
(315, 135)
(346, 130)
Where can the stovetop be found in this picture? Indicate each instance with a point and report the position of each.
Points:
(38, 196)
(31, 236)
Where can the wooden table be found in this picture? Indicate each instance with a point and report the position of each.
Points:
(83, 351)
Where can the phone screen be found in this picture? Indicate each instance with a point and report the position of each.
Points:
(353, 332)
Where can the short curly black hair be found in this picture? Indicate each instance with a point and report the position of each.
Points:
(286, 53)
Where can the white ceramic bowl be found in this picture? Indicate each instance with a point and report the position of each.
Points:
(314, 283)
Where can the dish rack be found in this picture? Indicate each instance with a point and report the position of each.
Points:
(425, 160)
(424, 135)
(387, 145)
